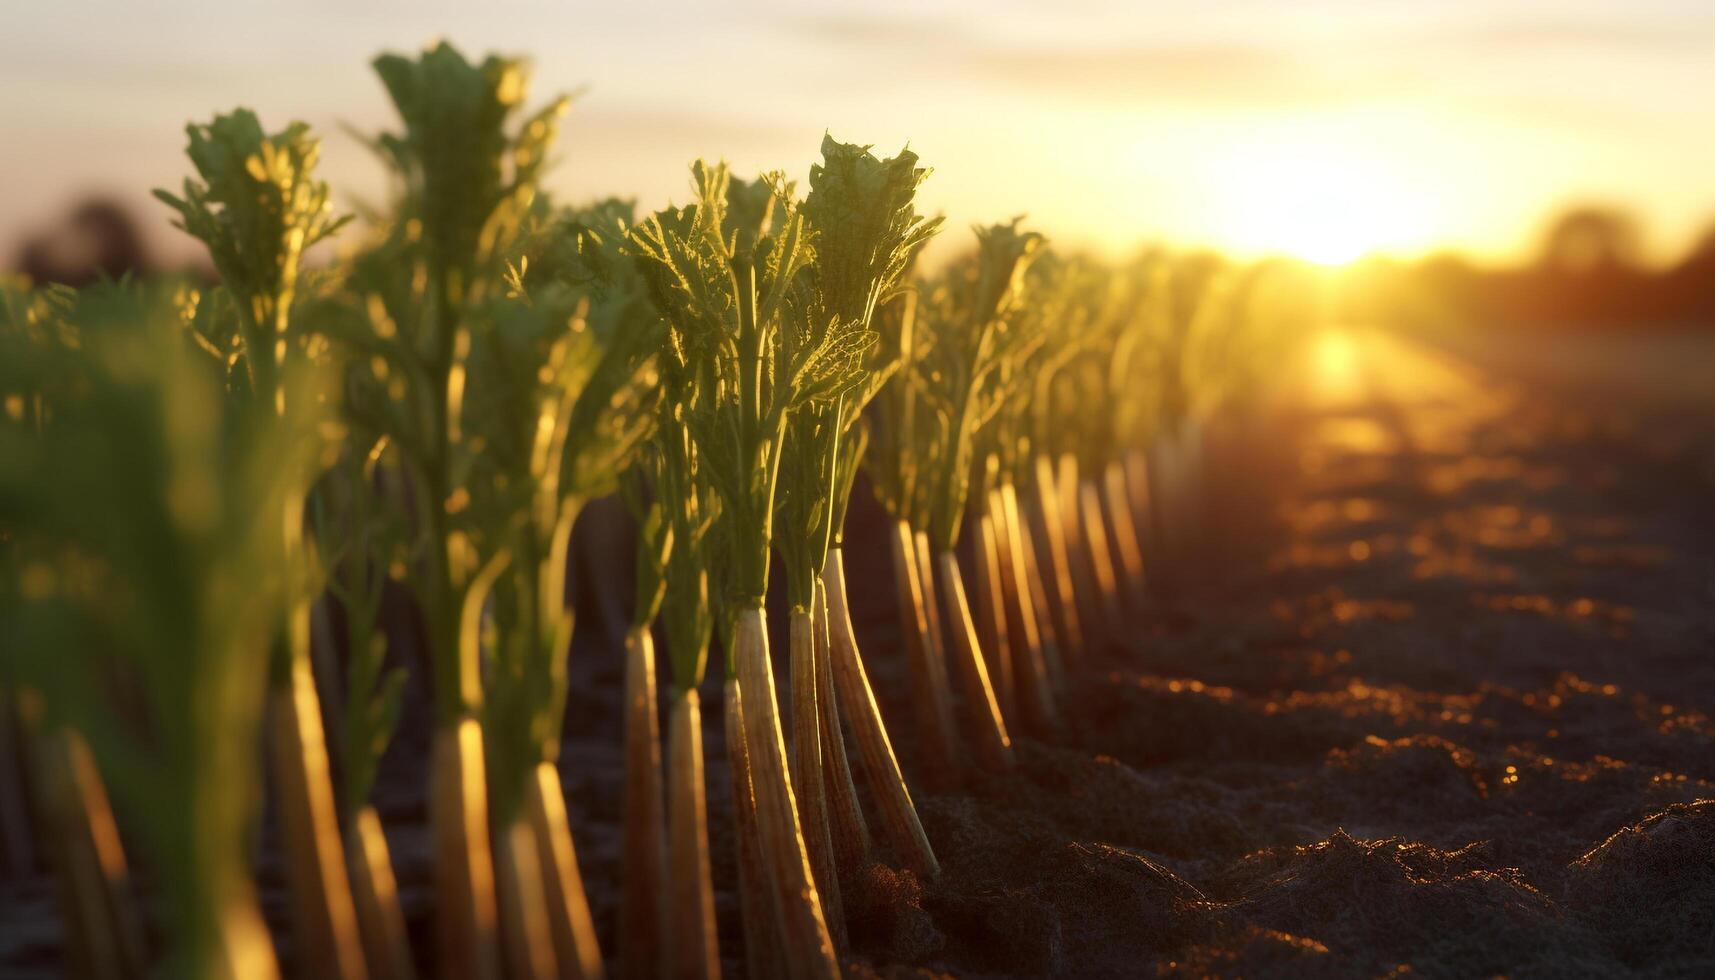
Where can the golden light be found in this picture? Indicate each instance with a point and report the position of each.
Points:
(1335, 372)
(1320, 194)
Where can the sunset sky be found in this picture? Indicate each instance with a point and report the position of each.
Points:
(1324, 129)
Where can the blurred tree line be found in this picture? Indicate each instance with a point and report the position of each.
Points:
(1589, 272)
(97, 238)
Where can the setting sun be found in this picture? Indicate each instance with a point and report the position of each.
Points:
(1311, 195)
(1313, 216)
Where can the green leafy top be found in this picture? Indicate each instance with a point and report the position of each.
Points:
(723, 273)
(867, 229)
(977, 338)
(1084, 311)
(357, 515)
(866, 232)
(899, 426)
(257, 208)
(692, 509)
(559, 401)
(427, 307)
(468, 181)
(654, 542)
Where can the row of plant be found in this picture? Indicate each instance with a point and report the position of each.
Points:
(205, 496)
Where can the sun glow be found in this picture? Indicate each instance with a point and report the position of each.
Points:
(1325, 198)
(1334, 369)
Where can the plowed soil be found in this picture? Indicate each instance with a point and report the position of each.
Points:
(1429, 693)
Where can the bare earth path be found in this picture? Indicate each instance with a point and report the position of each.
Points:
(1446, 714)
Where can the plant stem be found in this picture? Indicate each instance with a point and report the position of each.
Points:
(938, 659)
(1126, 543)
(1095, 536)
(982, 714)
(375, 894)
(1089, 599)
(1030, 668)
(243, 948)
(1138, 497)
(440, 605)
(104, 935)
(324, 918)
(845, 817)
(523, 904)
(644, 849)
(1036, 591)
(992, 635)
(464, 869)
(758, 914)
(930, 696)
(573, 930)
(693, 949)
(1051, 530)
(807, 761)
(466, 913)
(881, 768)
(804, 935)
(324, 921)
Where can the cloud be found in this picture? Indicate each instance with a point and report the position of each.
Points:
(1155, 71)
(1114, 67)
(1129, 57)
(873, 30)
(1637, 36)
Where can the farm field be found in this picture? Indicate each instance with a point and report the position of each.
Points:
(1392, 729)
(1405, 735)
(895, 490)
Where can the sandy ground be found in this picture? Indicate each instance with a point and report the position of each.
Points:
(1433, 698)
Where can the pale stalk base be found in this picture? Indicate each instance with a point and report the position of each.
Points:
(465, 911)
(576, 951)
(804, 938)
(1101, 559)
(931, 696)
(693, 947)
(987, 728)
(528, 944)
(761, 922)
(845, 817)
(993, 636)
(1048, 526)
(932, 615)
(1091, 613)
(324, 920)
(375, 893)
(1137, 497)
(807, 773)
(887, 787)
(1035, 691)
(246, 950)
(104, 936)
(644, 849)
(1036, 584)
(1126, 542)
